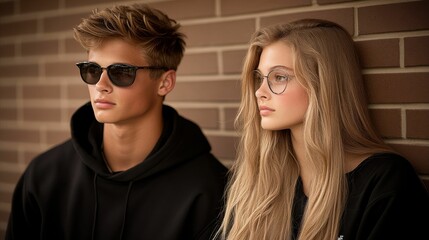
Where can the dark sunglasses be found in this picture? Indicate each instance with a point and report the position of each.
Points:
(121, 75)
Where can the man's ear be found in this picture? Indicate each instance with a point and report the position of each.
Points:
(167, 83)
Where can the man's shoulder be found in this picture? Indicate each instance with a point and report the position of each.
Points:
(60, 150)
(207, 167)
(58, 157)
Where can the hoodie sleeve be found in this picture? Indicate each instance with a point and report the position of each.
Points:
(210, 203)
(24, 219)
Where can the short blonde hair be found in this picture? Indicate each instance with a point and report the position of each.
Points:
(157, 34)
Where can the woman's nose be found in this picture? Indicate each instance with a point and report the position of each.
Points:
(262, 91)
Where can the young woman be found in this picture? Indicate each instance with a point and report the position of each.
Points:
(310, 164)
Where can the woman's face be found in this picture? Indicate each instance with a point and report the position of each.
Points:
(287, 109)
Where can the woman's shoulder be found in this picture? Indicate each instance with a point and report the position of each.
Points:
(382, 163)
(385, 173)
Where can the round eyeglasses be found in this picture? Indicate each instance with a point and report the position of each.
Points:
(277, 80)
(121, 75)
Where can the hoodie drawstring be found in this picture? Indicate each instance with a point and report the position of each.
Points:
(130, 185)
(95, 206)
(125, 208)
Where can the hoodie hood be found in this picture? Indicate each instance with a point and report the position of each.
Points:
(180, 141)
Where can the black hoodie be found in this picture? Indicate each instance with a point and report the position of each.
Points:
(69, 193)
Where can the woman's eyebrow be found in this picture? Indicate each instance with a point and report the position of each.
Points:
(280, 66)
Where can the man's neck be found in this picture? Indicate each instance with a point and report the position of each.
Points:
(126, 147)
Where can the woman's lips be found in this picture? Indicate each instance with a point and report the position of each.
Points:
(264, 110)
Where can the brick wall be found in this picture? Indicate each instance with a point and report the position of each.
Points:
(40, 87)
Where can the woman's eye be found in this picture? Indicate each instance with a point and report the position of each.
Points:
(281, 78)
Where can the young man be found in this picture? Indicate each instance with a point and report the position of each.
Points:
(134, 168)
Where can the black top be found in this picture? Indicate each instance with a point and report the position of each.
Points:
(387, 200)
(69, 193)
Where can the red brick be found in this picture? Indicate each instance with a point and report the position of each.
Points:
(5, 197)
(19, 70)
(397, 88)
(223, 146)
(323, 2)
(183, 9)
(63, 22)
(37, 114)
(199, 63)
(78, 91)
(186, 9)
(233, 61)
(8, 92)
(8, 114)
(55, 69)
(4, 216)
(14, 28)
(41, 91)
(379, 53)
(6, 9)
(387, 122)
(48, 47)
(416, 52)
(81, 3)
(229, 7)
(207, 118)
(418, 124)
(409, 16)
(19, 135)
(342, 16)
(9, 177)
(8, 156)
(7, 50)
(27, 6)
(219, 33)
(230, 114)
(57, 136)
(72, 46)
(207, 91)
(417, 155)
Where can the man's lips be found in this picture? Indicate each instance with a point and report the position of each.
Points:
(103, 104)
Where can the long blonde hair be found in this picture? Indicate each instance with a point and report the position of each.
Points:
(262, 186)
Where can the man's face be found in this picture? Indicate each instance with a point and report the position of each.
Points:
(122, 105)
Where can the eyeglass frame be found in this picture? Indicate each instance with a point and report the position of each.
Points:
(114, 82)
(256, 71)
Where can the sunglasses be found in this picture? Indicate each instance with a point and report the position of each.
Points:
(121, 75)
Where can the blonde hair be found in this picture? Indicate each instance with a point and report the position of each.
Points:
(157, 35)
(261, 190)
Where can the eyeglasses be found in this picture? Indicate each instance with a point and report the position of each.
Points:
(121, 75)
(277, 80)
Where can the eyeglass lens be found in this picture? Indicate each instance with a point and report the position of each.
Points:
(277, 80)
